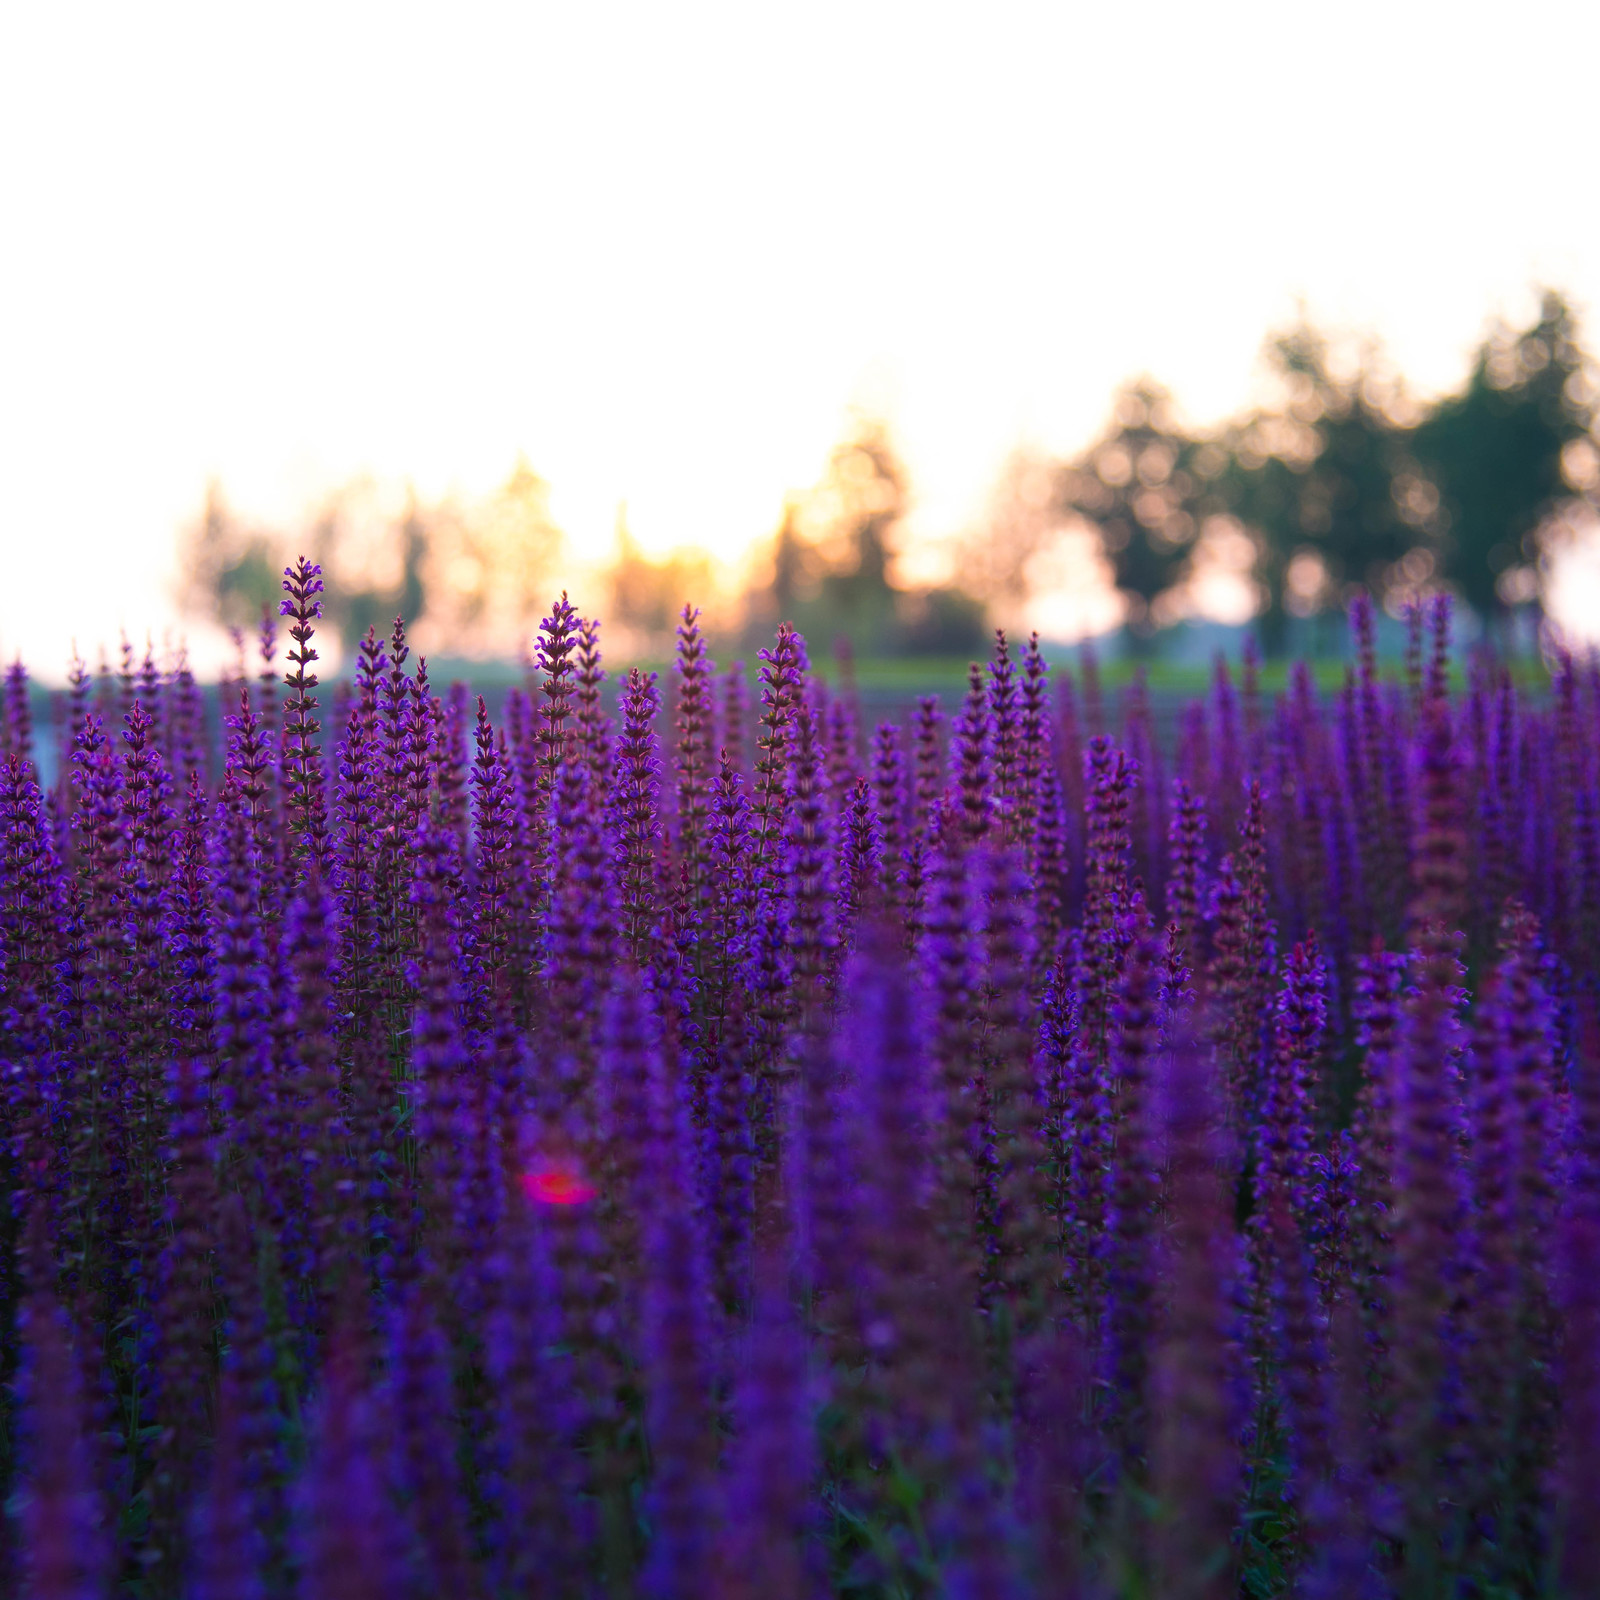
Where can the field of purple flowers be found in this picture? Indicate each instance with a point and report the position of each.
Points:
(728, 1152)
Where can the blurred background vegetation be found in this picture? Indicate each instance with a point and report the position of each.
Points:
(1341, 481)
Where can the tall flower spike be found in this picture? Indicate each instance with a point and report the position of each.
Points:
(1195, 1459)
(1024, 1268)
(304, 798)
(1034, 755)
(1186, 863)
(1494, 1374)
(594, 726)
(948, 963)
(727, 1160)
(1302, 1361)
(1053, 1459)
(1111, 778)
(970, 758)
(629, 1066)
(1129, 1241)
(860, 870)
(783, 670)
(184, 1316)
(558, 638)
(98, 1175)
(929, 784)
(636, 813)
(147, 825)
(450, 770)
(731, 909)
(679, 1421)
(358, 846)
(1286, 1109)
(772, 1460)
(582, 935)
(243, 1004)
(812, 932)
(224, 1537)
(33, 923)
(1578, 1526)
(320, 1132)
(349, 1541)
(494, 825)
(425, 1463)
(1426, 1186)
(693, 760)
(1004, 720)
(889, 796)
(1526, 1034)
(442, 1086)
(1241, 941)
(65, 1541)
(541, 1528)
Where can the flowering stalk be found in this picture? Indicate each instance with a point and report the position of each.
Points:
(304, 799)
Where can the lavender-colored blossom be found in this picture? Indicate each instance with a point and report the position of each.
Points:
(349, 1543)
(485, 1167)
(679, 1421)
(767, 1487)
(1195, 1466)
(66, 1544)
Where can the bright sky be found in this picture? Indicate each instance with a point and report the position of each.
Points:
(662, 249)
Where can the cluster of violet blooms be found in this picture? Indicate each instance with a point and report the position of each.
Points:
(738, 1155)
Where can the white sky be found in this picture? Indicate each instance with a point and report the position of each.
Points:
(663, 248)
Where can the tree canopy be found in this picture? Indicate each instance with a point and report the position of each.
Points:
(1344, 482)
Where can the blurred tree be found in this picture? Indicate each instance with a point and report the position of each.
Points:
(1327, 486)
(1507, 451)
(471, 579)
(647, 596)
(794, 562)
(1141, 486)
(858, 509)
(373, 555)
(998, 557)
(833, 561)
(229, 569)
(492, 567)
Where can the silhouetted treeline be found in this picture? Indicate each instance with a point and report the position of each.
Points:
(1342, 484)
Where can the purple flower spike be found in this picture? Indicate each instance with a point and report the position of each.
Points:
(772, 1462)
(636, 813)
(890, 799)
(694, 669)
(425, 1458)
(783, 670)
(1195, 1463)
(227, 1553)
(679, 1422)
(304, 799)
(1129, 1243)
(1284, 1132)
(349, 1541)
(65, 1541)
(970, 753)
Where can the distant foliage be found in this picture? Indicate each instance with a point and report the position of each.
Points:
(1344, 483)
(553, 1150)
